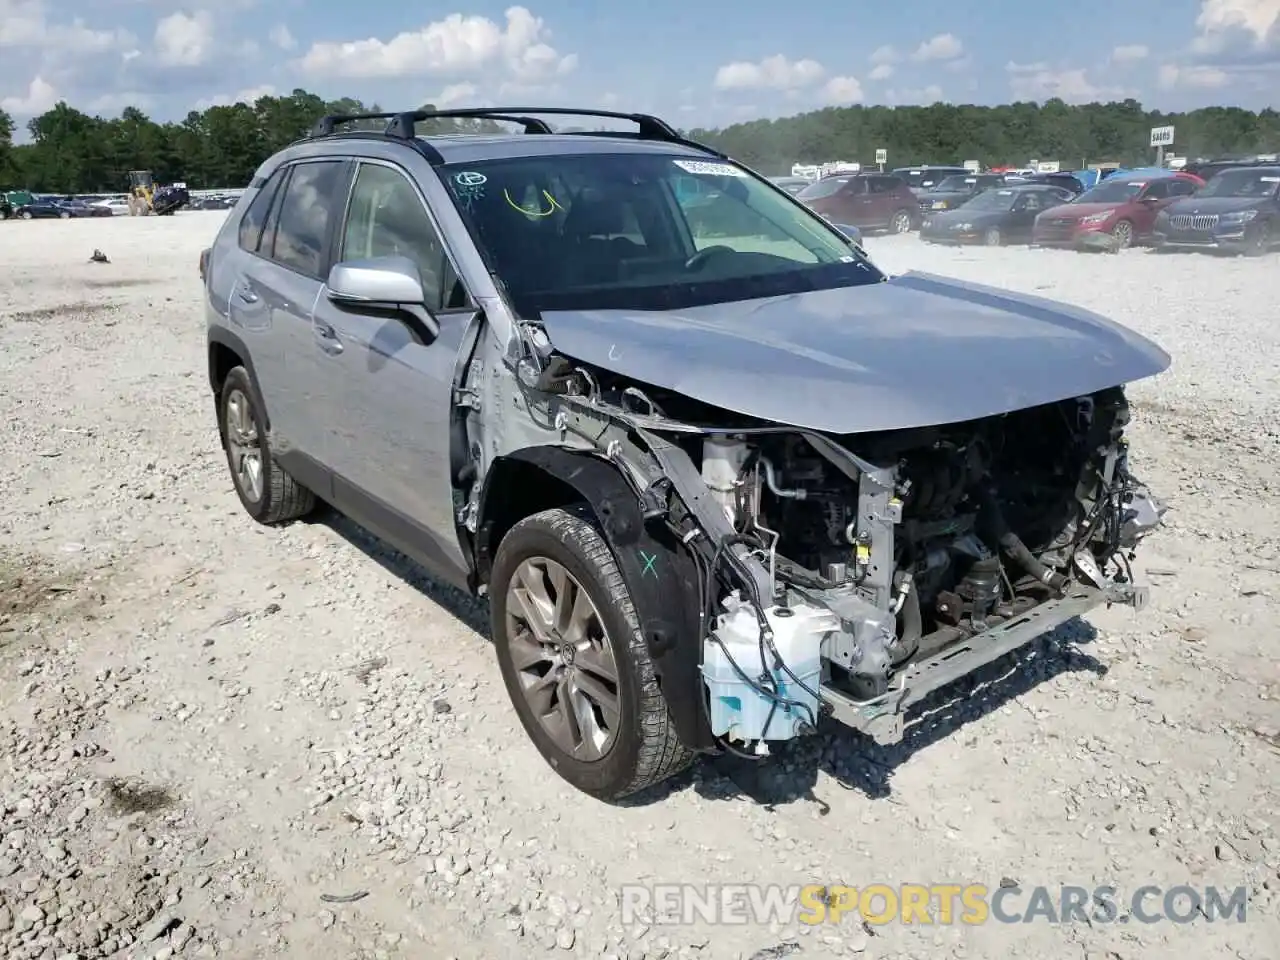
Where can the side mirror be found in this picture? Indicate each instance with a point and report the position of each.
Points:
(384, 287)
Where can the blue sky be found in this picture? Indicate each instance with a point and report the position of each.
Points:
(702, 64)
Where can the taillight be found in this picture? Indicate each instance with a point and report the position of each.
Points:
(204, 263)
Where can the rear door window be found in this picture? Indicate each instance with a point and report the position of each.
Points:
(310, 201)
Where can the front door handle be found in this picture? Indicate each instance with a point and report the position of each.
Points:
(328, 338)
(247, 295)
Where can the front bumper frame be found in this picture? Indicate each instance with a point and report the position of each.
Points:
(882, 717)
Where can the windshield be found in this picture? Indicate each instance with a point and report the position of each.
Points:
(992, 200)
(823, 188)
(611, 231)
(1242, 183)
(956, 184)
(1112, 191)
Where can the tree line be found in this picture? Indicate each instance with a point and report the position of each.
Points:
(73, 152)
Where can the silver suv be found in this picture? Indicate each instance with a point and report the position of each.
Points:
(720, 476)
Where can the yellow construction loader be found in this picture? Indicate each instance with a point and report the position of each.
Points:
(146, 198)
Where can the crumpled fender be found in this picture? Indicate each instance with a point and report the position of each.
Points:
(660, 575)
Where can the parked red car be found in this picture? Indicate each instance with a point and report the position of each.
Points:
(1121, 210)
(868, 201)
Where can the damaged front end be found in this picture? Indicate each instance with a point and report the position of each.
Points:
(850, 576)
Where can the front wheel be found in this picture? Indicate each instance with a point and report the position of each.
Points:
(1122, 234)
(574, 660)
(992, 237)
(1260, 241)
(64, 215)
(28, 215)
(901, 222)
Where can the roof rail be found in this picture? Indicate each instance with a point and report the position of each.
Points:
(401, 125)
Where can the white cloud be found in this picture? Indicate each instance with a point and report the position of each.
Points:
(455, 95)
(885, 54)
(881, 71)
(184, 40)
(1041, 81)
(282, 37)
(249, 95)
(1258, 18)
(916, 95)
(1130, 53)
(1195, 77)
(26, 23)
(842, 90)
(771, 73)
(944, 46)
(455, 46)
(40, 97)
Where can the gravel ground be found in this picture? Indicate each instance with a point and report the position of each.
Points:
(208, 727)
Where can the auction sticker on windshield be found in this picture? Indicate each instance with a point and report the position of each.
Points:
(709, 169)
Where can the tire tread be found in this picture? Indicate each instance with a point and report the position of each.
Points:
(662, 754)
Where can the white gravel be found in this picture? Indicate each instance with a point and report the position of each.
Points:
(206, 725)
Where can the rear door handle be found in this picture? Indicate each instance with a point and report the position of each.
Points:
(327, 338)
(247, 295)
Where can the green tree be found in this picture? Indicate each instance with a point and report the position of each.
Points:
(73, 152)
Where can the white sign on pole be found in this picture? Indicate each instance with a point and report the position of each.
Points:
(1161, 136)
(973, 166)
(882, 156)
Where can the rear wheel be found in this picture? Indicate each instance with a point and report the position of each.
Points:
(64, 215)
(993, 237)
(266, 491)
(901, 222)
(574, 659)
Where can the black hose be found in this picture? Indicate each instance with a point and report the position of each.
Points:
(912, 628)
(1017, 551)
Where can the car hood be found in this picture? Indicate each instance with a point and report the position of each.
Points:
(1212, 204)
(913, 351)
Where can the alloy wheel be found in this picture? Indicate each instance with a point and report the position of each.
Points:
(992, 237)
(1123, 233)
(244, 446)
(901, 223)
(561, 653)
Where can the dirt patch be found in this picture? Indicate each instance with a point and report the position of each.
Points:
(120, 284)
(25, 588)
(133, 796)
(81, 308)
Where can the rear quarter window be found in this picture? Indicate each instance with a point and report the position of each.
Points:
(255, 217)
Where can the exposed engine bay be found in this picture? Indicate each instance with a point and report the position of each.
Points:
(856, 573)
(981, 523)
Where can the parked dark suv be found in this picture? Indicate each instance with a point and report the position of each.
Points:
(926, 177)
(868, 201)
(951, 192)
(1238, 211)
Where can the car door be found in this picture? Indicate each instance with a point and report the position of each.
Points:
(883, 201)
(396, 443)
(1023, 215)
(272, 299)
(1154, 198)
(851, 203)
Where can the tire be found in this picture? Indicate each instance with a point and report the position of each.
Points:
(28, 215)
(900, 222)
(992, 237)
(64, 215)
(275, 497)
(1260, 241)
(1122, 232)
(642, 748)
